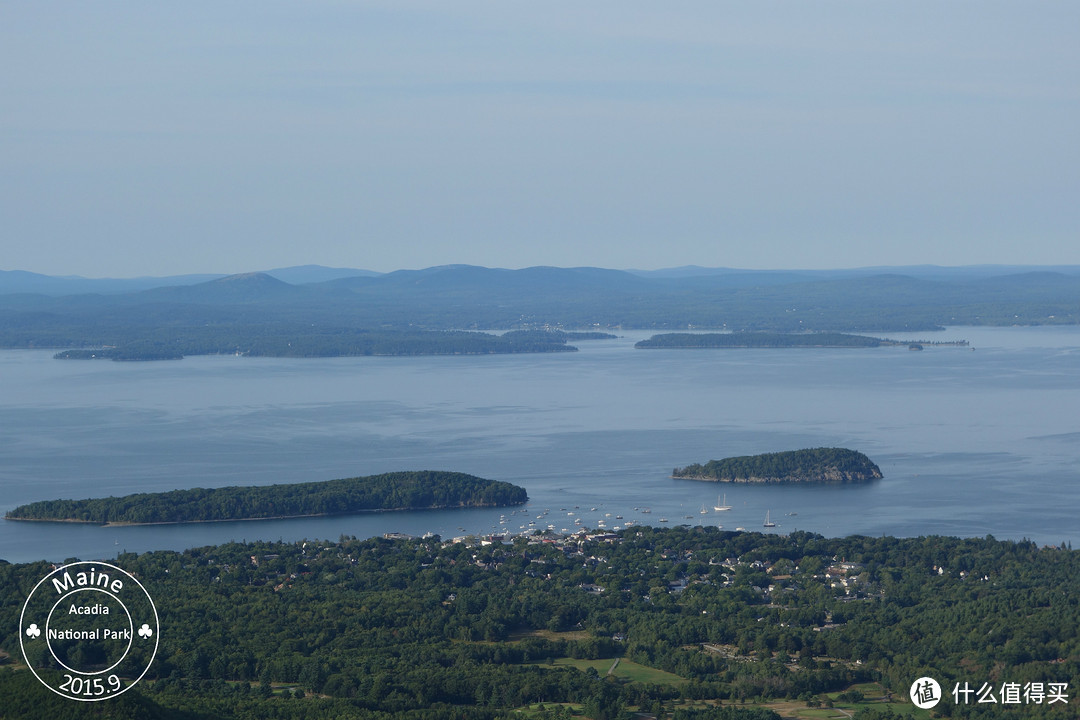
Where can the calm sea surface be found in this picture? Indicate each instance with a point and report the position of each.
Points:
(972, 441)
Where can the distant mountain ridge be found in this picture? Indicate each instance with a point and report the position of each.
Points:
(235, 311)
(22, 281)
(243, 288)
(924, 272)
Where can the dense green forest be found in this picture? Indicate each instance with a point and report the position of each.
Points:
(390, 491)
(705, 623)
(813, 465)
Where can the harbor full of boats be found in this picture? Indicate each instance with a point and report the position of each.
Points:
(533, 519)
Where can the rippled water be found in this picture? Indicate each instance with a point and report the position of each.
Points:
(971, 441)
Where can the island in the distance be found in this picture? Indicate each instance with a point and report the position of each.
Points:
(747, 339)
(170, 343)
(389, 491)
(834, 466)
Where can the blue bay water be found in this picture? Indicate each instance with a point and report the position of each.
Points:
(972, 441)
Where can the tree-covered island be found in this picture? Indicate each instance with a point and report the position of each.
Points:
(173, 343)
(776, 340)
(389, 491)
(836, 466)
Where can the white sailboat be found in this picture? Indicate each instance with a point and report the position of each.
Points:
(703, 510)
(720, 506)
(768, 522)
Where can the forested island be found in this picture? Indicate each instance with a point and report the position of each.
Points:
(175, 344)
(776, 340)
(815, 465)
(677, 624)
(425, 311)
(389, 491)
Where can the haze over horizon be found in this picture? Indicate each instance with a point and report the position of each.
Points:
(311, 272)
(207, 138)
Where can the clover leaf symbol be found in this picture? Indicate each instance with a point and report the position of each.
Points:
(145, 631)
(33, 631)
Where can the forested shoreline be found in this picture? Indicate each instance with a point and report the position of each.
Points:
(389, 491)
(177, 343)
(699, 618)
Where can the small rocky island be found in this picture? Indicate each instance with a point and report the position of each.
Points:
(390, 491)
(824, 466)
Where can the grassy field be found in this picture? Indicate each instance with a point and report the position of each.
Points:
(549, 635)
(534, 709)
(845, 710)
(625, 670)
(797, 709)
(842, 711)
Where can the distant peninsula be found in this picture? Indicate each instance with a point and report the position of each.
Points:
(831, 466)
(175, 344)
(389, 491)
(777, 340)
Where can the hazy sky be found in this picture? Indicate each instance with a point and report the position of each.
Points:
(162, 138)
